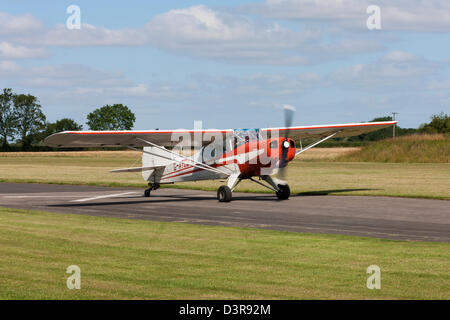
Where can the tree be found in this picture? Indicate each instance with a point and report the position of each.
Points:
(8, 117)
(440, 123)
(383, 133)
(64, 124)
(115, 117)
(31, 120)
(375, 135)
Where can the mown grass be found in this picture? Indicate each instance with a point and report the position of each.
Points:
(419, 148)
(311, 173)
(129, 259)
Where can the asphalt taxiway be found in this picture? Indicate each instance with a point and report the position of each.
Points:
(381, 217)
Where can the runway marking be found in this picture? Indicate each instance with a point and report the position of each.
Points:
(104, 196)
(20, 197)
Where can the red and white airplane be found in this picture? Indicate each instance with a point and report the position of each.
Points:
(221, 154)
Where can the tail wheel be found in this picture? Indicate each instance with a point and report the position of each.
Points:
(284, 192)
(147, 192)
(224, 194)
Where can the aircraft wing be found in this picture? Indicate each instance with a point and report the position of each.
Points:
(165, 138)
(320, 131)
(169, 138)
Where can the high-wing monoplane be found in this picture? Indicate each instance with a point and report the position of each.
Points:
(260, 155)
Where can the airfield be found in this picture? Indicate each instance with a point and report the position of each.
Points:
(63, 208)
(381, 217)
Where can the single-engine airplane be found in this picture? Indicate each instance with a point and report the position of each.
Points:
(232, 154)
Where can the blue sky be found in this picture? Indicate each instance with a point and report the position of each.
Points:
(231, 63)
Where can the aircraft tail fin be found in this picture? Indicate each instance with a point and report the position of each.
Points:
(156, 157)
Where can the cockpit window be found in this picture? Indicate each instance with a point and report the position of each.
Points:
(242, 136)
(274, 144)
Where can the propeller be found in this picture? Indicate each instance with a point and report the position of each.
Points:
(288, 116)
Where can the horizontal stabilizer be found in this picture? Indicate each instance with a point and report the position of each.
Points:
(138, 169)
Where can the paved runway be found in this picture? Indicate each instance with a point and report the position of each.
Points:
(382, 217)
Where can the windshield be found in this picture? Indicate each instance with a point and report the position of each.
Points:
(242, 136)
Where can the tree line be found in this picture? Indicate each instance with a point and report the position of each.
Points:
(23, 121)
(440, 123)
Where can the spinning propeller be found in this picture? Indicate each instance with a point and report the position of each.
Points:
(288, 116)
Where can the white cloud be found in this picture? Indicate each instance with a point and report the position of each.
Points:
(200, 26)
(399, 56)
(75, 82)
(203, 32)
(404, 15)
(8, 68)
(67, 76)
(277, 85)
(10, 51)
(88, 35)
(13, 25)
(393, 71)
(200, 31)
(196, 31)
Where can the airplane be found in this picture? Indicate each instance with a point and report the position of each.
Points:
(260, 155)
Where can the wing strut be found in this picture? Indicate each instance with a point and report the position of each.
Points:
(161, 156)
(171, 159)
(186, 158)
(316, 143)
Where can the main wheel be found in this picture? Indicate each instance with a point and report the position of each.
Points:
(147, 192)
(224, 194)
(284, 192)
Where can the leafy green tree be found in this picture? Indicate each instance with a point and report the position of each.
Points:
(383, 133)
(440, 123)
(61, 125)
(31, 119)
(375, 135)
(115, 117)
(8, 117)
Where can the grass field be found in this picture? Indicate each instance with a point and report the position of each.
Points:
(129, 259)
(419, 148)
(311, 173)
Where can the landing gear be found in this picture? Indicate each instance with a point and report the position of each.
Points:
(283, 192)
(280, 187)
(149, 190)
(224, 194)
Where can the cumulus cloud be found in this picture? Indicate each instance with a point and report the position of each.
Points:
(200, 31)
(205, 32)
(10, 51)
(403, 15)
(262, 85)
(9, 68)
(88, 35)
(396, 69)
(197, 31)
(66, 76)
(14, 25)
(399, 56)
(75, 81)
